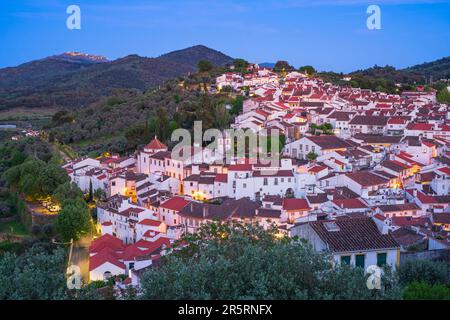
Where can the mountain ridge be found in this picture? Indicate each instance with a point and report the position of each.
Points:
(73, 80)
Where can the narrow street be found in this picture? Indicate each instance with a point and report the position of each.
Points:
(80, 257)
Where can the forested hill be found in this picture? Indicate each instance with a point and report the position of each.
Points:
(436, 70)
(72, 81)
(439, 69)
(392, 80)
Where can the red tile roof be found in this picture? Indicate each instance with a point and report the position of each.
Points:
(240, 167)
(131, 252)
(152, 246)
(353, 234)
(420, 126)
(222, 177)
(380, 217)
(410, 221)
(295, 205)
(349, 203)
(155, 144)
(445, 170)
(424, 198)
(104, 256)
(316, 169)
(150, 222)
(428, 144)
(366, 179)
(175, 203)
(396, 121)
(106, 241)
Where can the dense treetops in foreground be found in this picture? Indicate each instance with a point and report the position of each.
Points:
(225, 261)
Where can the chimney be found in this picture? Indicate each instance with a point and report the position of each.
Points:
(415, 193)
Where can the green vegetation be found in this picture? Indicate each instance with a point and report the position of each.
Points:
(423, 271)
(311, 156)
(14, 228)
(135, 118)
(26, 175)
(425, 291)
(443, 95)
(424, 280)
(233, 261)
(438, 69)
(36, 179)
(267, 142)
(240, 65)
(237, 105)
(37, 274)
(66, 191)
(308, 69)
(205, 66)
(282, 65)
(11, 247)
(384, 79)
(13, 155)
(62, 82)
(325, 128)
(74, 220)
(222, 261)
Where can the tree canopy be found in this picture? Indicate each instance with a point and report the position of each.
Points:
(425, 291)
(205, 65)
(66, 191)
(311, 156)
(423, 271)
(234, 261)
(74, 220)
(282, 66)
(36, 178)
(307, 69)
(38, 274)
(240, 65)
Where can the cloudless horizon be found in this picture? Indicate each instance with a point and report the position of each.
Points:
(329, 35)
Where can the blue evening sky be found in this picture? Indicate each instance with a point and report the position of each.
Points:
(328, 34)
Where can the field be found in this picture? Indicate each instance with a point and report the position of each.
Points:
(14, 228)
(24, 114)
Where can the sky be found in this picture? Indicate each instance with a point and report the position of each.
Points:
(331, 35)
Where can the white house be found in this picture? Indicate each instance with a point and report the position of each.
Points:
(354, 241)
(319, 145)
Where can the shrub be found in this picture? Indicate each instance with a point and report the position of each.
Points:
(425, 291)
(423, 271)
(48, 230)
(36, 229)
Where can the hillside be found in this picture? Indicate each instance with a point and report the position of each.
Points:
(191, 56)
(389, 73)
(76, 81)
(439, 69)
(118, 123)
(38, 72)
(387, 77)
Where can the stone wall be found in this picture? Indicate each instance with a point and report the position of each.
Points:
(434, 255)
